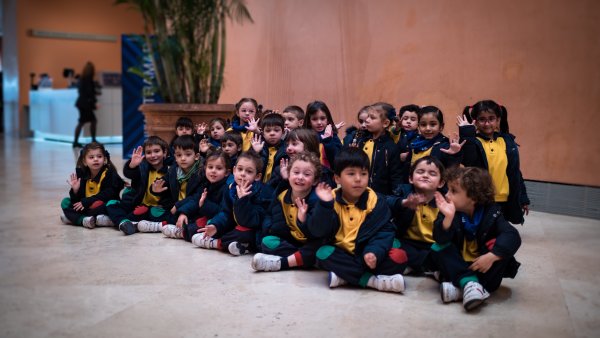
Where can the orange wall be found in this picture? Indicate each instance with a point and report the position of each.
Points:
(538, 58)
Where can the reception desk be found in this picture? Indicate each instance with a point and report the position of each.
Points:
(53, 115)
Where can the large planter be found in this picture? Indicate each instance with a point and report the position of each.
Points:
(161, 117)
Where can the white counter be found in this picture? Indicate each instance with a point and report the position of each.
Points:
(53, 115)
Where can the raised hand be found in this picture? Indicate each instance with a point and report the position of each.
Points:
(340, 125)
(159, 186)
(446, 207)
(455, 147)
(413, 201)
(244, 189)
(74, 182)
(257, 143)
(201, 128)
(370, 260)
(328, 132)
(283, 168)
(253, 125)
(137, 156)
(202, 198)
(323, 191)
(461, 121)
(204, 146)
(302, 209)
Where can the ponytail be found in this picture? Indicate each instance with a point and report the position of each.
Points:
(503, 120)
(467, 114)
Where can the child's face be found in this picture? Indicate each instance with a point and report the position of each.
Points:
(291, 121)
(216, 170)
(183, 130)
(230, 148)
(185, 158)
(457, 195)
(354, 181)
(272, 135)
(246, 112)
(245, 171)
(487, 123)
(217, 131)
(302, 176)
(429, 126)
(426, 178)
(294, 147)
(375, 123)
(154, 155)
(362, 120)
(94, 159)
(409, 120)
(318, 121)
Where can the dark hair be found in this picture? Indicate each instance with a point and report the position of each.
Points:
(272, 120)
(313, 108)
(185, 142)
(409, 107)
(364, 109)
(155, 141)
(254, 157)
(386, 110)
(488, 106)
(432, 110)
(350, 158)
(308, 137)
(244, 100)
(217, 120)
(219, 154)
(309, 157)
(299, 112)
(87, 74)
(428, 160)
(93, 146)
(184, 122)
(233, 137)
(476, 182)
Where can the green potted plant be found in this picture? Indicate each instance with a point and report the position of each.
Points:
(188, 57)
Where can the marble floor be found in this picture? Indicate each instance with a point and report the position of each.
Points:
(65, 281)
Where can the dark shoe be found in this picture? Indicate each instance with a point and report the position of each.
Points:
(127, 227)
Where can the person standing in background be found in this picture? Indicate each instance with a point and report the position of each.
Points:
(86, 102)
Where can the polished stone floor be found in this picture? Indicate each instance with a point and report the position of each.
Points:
(58, 280)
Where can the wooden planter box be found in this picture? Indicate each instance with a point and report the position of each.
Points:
(160, 118)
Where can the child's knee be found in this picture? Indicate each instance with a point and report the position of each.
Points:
(271, 242)
(398, 256)
(65, 203)
(96, 204)
(325, 252)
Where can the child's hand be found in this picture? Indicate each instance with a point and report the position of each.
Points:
(257, 143)
(340, 125)
(484, 262)
(158, 186)
(447, 208)
(454, 145)
(74, 182)
(253, 125)
(209, 230)
(323, 191)
(136, 157)
(403, 156)
(370, 260)
(283, 168)
(244, 189)
(202, 198)
(525, 209)
(78, 206)
(181, 220)
(462, 121)
(204, 146)
(302, 209)
(201, 128)
(413, 201)
(328, 132)
(173, 210)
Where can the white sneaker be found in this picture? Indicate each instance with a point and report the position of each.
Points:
(200, 240)
(89, 222)
(450, 293)
(104, 221)
(393, 283)
(147, 226)
(263, 262)
(473, 295)
(65, 220)
(169, 230)
(237, 249)
(335, 280)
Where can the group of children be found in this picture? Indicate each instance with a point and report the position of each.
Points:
(396, 197)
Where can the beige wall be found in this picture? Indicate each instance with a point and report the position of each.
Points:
(539, 58)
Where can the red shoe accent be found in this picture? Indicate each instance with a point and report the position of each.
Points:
(298, 257)
(96, 204)
(140, 210)
(398, 256)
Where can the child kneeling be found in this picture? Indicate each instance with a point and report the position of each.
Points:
(475, 245)
(356, 222)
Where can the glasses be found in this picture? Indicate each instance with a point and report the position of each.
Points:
(482, 120)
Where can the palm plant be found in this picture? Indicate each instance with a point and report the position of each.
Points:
(190, 44)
